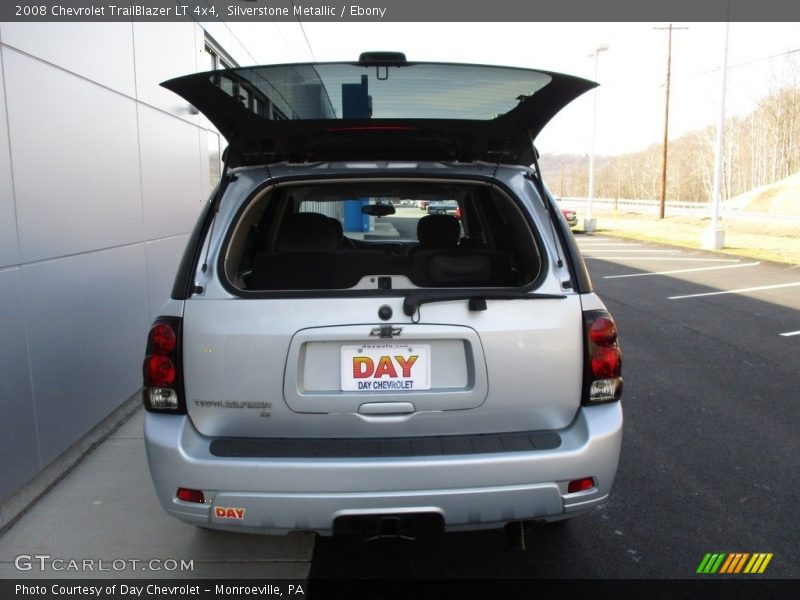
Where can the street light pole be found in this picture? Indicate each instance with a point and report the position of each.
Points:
(589, 222)
(714, 236)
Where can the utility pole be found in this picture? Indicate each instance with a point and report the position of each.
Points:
(666, 121)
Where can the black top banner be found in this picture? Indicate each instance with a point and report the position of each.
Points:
(400, 10)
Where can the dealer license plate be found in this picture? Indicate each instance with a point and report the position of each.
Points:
(386, 367)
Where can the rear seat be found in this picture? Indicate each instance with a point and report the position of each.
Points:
(461, 268)
(301, 256)
(439, 261)
(308, 255)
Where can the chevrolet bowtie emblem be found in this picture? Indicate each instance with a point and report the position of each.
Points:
(386, 331)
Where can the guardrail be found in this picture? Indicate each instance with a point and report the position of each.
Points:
(682, 207)
(679, 204)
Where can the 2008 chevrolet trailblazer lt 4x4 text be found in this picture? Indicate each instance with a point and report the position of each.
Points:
(328, 360)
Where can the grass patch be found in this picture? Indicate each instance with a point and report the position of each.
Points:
(763, 240)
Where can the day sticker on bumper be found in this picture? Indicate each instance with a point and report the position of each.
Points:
(222, 512)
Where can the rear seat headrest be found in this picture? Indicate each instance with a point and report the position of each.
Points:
(307, 232)
(436, 232)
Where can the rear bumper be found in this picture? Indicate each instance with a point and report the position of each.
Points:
(468, 491)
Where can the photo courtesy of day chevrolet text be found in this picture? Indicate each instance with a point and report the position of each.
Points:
(292, 590)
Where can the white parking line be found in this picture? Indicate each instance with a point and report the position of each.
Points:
(638, 250)
(739, 291)
(790, 333)
(670, 258)
(601, 246)
(606, 243)
(753, 264)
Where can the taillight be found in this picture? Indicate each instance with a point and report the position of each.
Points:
(163, 386)
(580, 485)
(602, 331)
(188, 495)
(602, 380)
(163, 338)
(606, 363)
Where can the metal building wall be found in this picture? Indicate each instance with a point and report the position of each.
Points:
(102, 174)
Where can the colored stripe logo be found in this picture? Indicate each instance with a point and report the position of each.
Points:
(734, 563)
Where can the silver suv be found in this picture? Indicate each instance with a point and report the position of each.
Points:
(333, 357)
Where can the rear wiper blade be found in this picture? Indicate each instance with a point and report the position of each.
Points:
(477, 299)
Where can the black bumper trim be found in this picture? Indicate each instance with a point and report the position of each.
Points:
(520, 441)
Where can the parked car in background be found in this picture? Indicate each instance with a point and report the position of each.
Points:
(571, 216)
(442, 207)
(461, 375)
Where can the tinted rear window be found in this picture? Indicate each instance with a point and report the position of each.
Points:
(349, 91)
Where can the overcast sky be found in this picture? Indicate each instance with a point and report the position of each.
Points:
(631, 72)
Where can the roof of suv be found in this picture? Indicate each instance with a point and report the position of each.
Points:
(381, 107)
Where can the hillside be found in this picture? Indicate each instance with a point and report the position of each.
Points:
(760, 148)
(781, 197)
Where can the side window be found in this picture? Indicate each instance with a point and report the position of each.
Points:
(494, 230)
(471, 226)
(333, 209)
(217, 57)
(250, 96)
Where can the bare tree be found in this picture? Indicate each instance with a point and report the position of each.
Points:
(759, 148)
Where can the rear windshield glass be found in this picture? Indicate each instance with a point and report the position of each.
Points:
(349, 91)
(405, 234)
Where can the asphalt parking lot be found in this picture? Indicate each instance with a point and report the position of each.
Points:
(709, 460)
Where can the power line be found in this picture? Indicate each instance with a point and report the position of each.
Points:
(636, 84)
(303, 29)
(747, 63)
